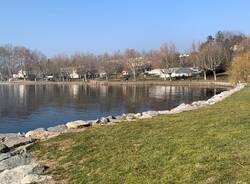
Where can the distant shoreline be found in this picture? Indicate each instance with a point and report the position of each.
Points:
(193, 83)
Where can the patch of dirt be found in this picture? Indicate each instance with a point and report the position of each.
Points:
(210, 180)
(65, 144)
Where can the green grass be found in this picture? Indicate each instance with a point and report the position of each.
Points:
(208, 145)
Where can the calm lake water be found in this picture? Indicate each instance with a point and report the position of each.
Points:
(26, 107)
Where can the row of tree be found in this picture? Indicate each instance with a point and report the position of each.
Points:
(215, 54)
(13, 59)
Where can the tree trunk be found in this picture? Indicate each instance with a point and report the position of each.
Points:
(10, 74)
(164, 73)
(205, 75)
(165, 77)
(85, 77)
(215, 77)
(170, 77)
(215, 91)
(134, 75)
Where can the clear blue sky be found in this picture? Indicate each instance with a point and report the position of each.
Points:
(56, 26)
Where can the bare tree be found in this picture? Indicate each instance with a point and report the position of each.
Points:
(37, 64)
(229, 41)
(110, 67)
(135, 64)
(3, 69)
(85, 64)
(15, 58)
(215, 57)
(201, 61)
(8, 56)
(211, 56)
(168, 58)
(56, 64)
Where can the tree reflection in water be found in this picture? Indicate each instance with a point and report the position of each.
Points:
(25, 107)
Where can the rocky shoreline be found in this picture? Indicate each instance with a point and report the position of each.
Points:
(17, 165)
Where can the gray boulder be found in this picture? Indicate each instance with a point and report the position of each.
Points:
(3, 148)
(130, 116)
(77, 124)
(23, 174)
(58, 128)
(151, 113)
(123, 117)
(111, 118)
(14, 142)
(35, 178)
(38, 133)
(138, 115)
(4, 156)
(103, 120)
(3, 136)
(163, 112)
(178, 109)
(199, 104)
(145, 116)
(15, 161)
(93, 122)
(22, 149)
(183, 107)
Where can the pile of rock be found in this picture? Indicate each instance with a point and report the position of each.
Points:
(16, 165)
(215, 99)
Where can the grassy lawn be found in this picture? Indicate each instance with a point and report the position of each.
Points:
(208, 145)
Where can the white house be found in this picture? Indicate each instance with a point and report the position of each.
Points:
(175, 72)
(49, 77)
(156, 72)
(103, 74)
(125, 73)
(74, 75)
(179, 72)
(21, 74)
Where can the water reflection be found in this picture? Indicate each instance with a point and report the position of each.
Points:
(75, 90)
(24, 107)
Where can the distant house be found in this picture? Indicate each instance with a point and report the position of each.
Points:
(69, 73)
(74, 75)
(102, 75)
(183, 55)
(21, 74)
(156, 72)
(176, 72)
(179, 72)
(49, 77)
(125, 73)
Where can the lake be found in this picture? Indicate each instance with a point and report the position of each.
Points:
(26, 107)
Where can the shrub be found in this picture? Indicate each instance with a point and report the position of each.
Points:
(240, 68)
